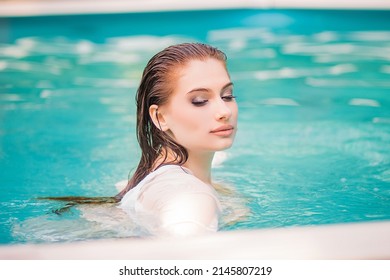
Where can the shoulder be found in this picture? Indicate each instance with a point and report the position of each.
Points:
(175, 180)
(183, 204)
(188, 214)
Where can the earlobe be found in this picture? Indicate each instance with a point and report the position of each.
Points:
(157, 118)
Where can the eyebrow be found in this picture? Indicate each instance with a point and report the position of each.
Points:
(206, 89)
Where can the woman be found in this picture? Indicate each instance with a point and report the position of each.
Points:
(185, 113)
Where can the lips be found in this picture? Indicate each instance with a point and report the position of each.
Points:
(225, 130)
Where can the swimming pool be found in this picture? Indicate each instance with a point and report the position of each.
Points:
(313, 145)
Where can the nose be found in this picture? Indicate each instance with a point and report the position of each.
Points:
(222, 111)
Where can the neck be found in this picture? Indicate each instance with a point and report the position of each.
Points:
(200, 165)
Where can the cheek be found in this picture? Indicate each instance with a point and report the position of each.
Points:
(234, 109)
(184, 119)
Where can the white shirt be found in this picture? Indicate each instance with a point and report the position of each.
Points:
(172, 201)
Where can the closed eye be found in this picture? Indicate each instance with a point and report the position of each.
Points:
(199, 103)
(228, 98)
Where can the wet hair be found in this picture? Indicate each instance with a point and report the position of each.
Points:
(156, 86)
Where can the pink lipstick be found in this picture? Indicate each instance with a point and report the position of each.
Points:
(224, 130)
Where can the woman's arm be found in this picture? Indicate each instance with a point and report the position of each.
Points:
(188, 214)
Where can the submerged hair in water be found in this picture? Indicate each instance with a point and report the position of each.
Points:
(76, 200)
(157, 84)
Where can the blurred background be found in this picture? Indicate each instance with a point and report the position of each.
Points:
(312, 84)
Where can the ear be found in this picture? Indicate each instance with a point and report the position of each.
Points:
(158, 118)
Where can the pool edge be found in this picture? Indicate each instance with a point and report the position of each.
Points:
(353, 241)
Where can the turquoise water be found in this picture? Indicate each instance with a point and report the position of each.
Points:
(313, 87)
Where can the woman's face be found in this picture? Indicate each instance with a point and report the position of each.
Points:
(202, 112)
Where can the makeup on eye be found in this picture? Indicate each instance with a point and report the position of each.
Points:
(206, 94)
(227, 94)
(229, 85)
(199, 102)
(203, 101)
(228, 98)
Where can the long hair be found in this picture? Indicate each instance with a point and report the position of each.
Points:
(156, 86)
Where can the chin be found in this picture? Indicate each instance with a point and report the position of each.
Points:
(223, 146)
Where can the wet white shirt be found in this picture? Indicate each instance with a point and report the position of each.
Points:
(172, 201)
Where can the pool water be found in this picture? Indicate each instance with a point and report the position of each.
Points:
(313, 145)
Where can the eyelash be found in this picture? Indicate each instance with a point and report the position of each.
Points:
(227, 98)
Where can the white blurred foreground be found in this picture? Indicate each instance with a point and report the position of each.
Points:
(354, 241)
